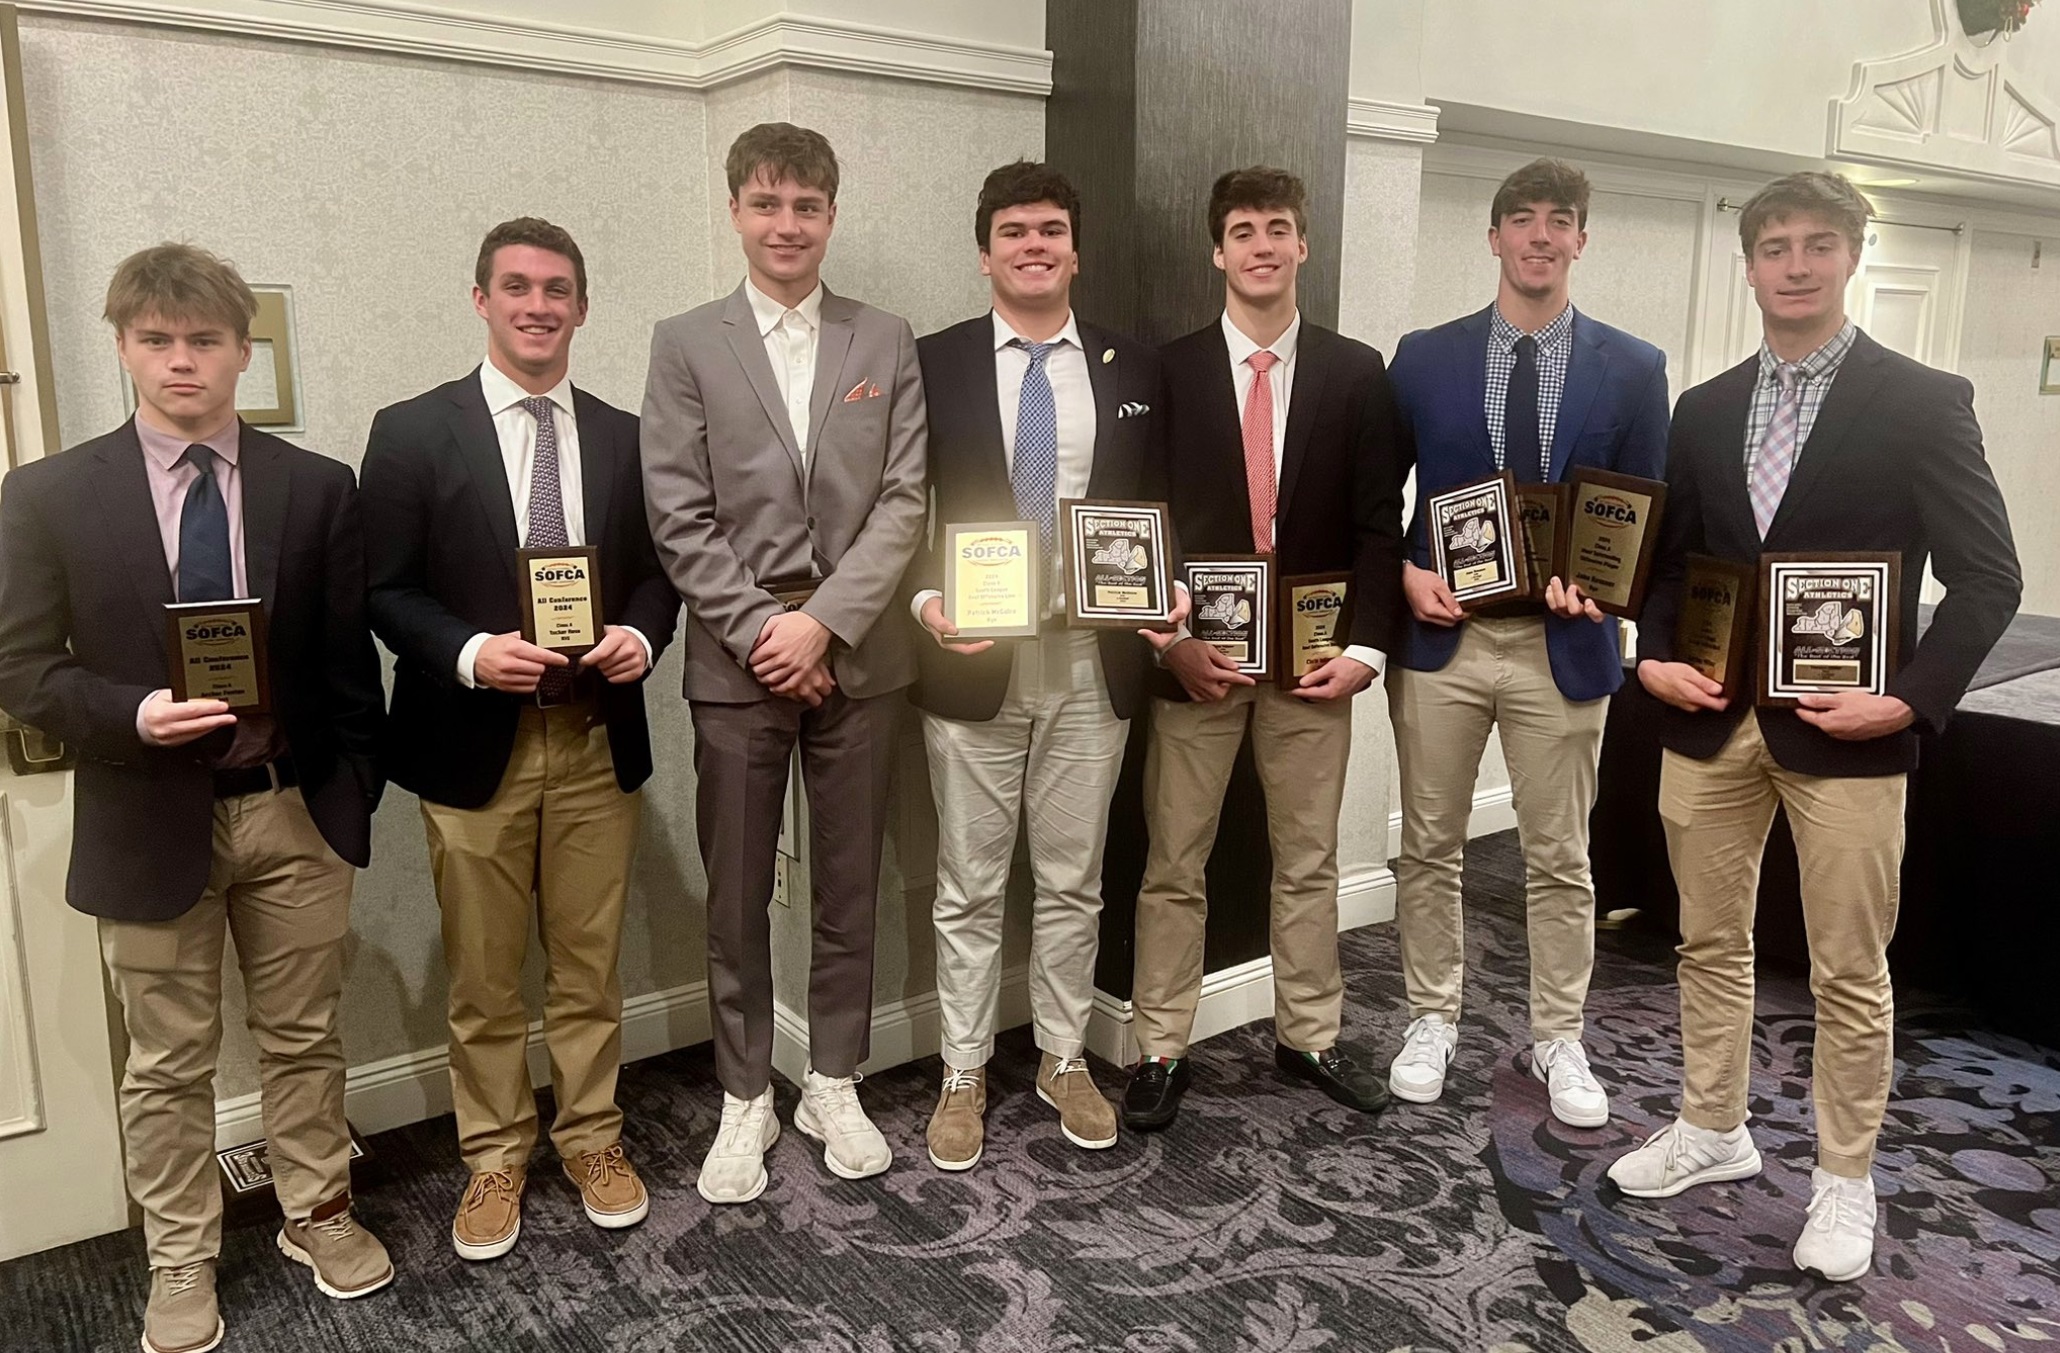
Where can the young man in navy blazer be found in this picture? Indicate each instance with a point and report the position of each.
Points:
(1532, 386)
(1823, 440)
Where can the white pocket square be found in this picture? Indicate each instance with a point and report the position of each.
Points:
(1133, 410)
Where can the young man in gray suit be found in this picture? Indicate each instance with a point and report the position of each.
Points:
(783, 472)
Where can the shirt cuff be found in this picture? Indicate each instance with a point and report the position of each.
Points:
(921, 599)
(1372, 657)
(142, 736)
(649, 661)
(467, 656)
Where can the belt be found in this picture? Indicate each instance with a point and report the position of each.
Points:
(256, 779)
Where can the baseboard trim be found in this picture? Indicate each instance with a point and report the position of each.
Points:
(1493, 811)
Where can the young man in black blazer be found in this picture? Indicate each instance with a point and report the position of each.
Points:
(191, 821)
(1280, 437)
(1027, 405)
(1822, 441)
(527, 765)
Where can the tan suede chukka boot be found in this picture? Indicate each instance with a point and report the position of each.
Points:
(957, 1128)
(1085, 1114)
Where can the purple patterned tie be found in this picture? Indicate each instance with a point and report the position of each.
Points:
(1776, 460)
(547, 523)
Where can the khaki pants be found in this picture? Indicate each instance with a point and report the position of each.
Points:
(1050, 756)
(1499, 678)
(1849, 840)
(1301, 748)
(553, 844)
(285, 895)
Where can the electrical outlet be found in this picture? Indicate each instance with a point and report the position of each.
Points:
(781, 864)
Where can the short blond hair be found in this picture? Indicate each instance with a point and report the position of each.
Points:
(179, 282)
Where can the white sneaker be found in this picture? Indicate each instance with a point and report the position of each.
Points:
(734, 1170)
(1418, 1072)
(1577, 1100)
(1680, 1155)
(1837, 1242)
(852, 1147)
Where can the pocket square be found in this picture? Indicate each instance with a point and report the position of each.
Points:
(863, 390)
(1133, 410)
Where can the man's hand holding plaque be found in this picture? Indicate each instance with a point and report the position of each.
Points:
(993, 584)
(218, 653)
(1117, 568)
(1231, 600)
(1476, 541)
(1612, 531)
(1831, 626)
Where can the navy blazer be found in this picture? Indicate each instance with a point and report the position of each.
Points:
(1612, 416)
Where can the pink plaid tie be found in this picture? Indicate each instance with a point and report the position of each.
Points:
(1259, 484)
(1776, 460)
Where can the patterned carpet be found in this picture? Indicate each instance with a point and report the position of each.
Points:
(1266, 1219)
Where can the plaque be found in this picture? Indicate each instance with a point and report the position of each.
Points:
(1611, 533)
(1116, 566)
(1542, 508)
(1474, 541)
(1315, 617)
(1831, 624)
(1714, 627)
(1231, 600)
(218, 653)
(991, 573)
(561, 598)
(792, 592)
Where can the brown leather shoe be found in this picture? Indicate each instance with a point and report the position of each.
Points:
(956, 1128)
(609, 1188)
(1085, 1114)
(490, 1214)
(182, 1316)
(348, 1261)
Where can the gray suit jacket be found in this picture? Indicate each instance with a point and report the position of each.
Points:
(731, 505)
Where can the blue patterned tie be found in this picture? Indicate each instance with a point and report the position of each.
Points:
(547, 520)
(205, 573)
(1036, 474)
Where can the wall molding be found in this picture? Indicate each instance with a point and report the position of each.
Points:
(1381, 120)
(410, 29)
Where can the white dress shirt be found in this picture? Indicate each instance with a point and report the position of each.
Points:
(790, 342)
(1283, 376)
(516, 430)
(1072, 391)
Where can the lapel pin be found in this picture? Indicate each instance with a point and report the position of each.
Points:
(1108, 356)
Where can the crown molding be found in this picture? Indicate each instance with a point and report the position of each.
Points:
(781, 41)
(1384, 121)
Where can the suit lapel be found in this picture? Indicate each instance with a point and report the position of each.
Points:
(596, 466)
(1312, 364)
(1103, 377)
(832, 346)
(123, 486)
(1219, 393)
(1474, 387)
(1586, 365)
(265, 491)
(982, 376)
(1734, 407)
(749, 346)
(1851, 391)
(479, 449)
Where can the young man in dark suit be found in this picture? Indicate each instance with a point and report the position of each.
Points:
(1822, 441)
(193, 822)
(528, 765)
(1027, 406)
(1280, 437)
(1532, 385)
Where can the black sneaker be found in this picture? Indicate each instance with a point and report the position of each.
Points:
(1153, 1096)
(1339, 1077)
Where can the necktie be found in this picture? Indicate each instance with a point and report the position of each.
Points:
(1259, 482)
(1035, 477)
(1521, 449)
(547, 520)
(205, 573)
(1776, 460)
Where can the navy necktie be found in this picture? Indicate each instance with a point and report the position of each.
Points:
(1521, 450)
(205, 573)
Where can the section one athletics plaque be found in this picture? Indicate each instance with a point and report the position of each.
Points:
(1475, 540)
(1231, 608)
(1831, 624)
(1116, 564)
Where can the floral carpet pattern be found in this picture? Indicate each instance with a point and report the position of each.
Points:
(1267, 1218)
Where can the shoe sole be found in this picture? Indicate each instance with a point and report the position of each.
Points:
(492, 1250)
(763, 1177)
(1862, 1271)
(293, 1251)
(956, 1165)
(1409, 1096)
(1082, 1142)
(216, 1342)
(813, 1130)
(618, 1221)
(1715, 1174)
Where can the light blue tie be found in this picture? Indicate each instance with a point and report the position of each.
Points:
(1036, 474)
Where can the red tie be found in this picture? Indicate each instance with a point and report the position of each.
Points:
(1259, 486)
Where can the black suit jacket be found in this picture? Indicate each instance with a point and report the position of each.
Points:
(969, 481)
(1338, 504)
(83, 583)
(441, 541)
(1893, 462)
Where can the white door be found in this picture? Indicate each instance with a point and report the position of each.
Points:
(60, 1147)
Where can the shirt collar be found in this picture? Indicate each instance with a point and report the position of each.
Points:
(503, 394)
(1242, 348)
(1005, 335)
(1818, 364)
(768, 311)
(1548, 338)
(165, 448)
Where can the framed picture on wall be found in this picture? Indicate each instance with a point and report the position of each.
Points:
(2049, 370)
(268, 394)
